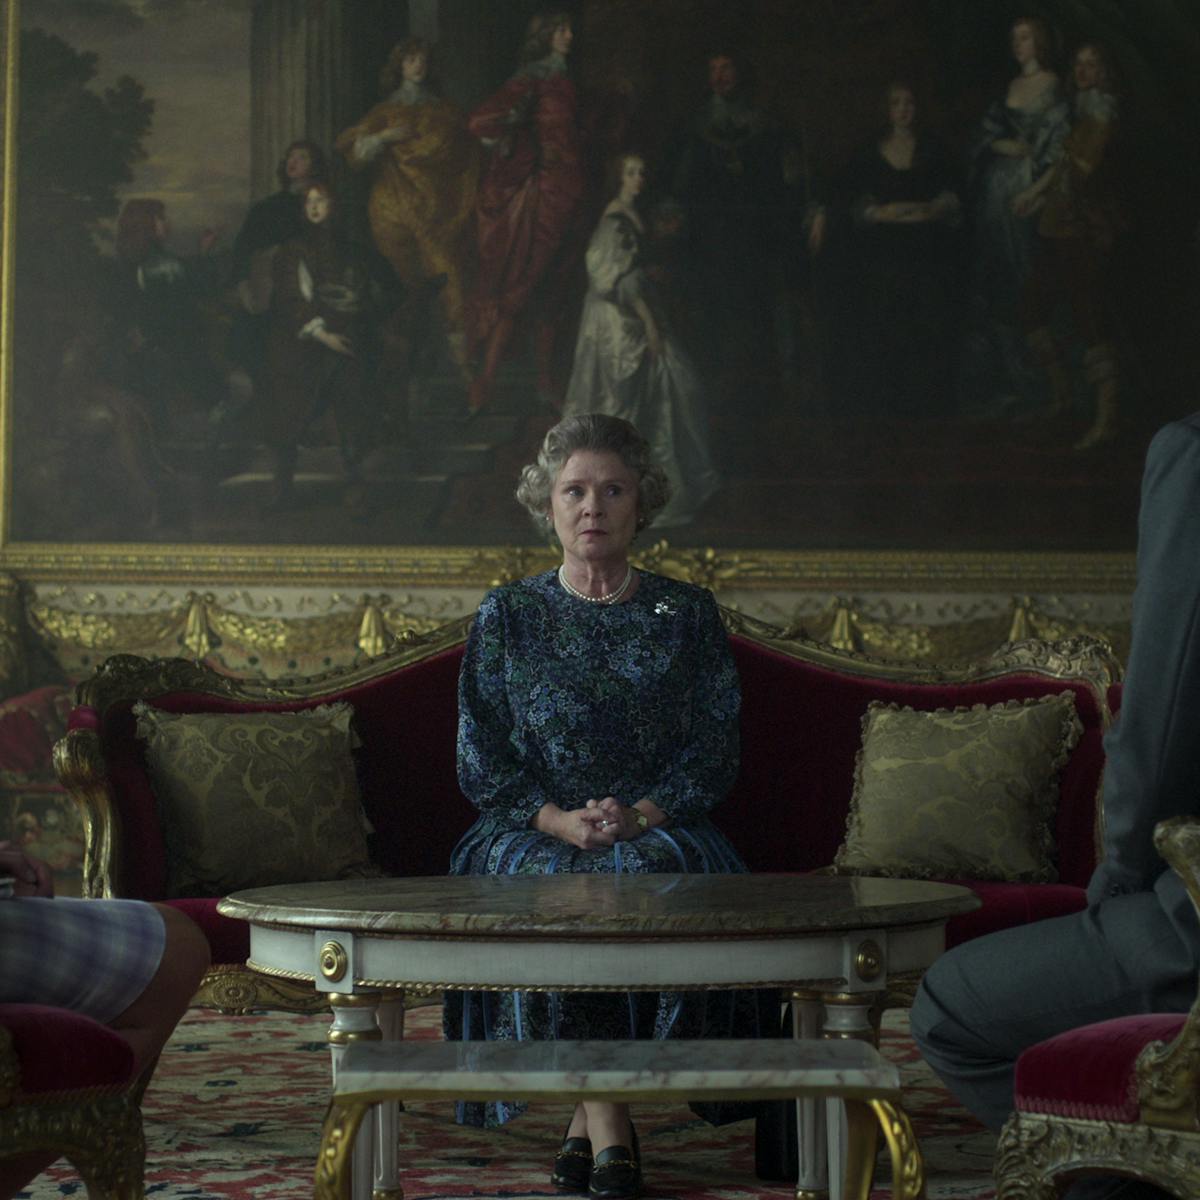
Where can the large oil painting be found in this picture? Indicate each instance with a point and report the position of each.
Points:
(874, 276)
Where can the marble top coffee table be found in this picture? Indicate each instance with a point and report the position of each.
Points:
(828, 941)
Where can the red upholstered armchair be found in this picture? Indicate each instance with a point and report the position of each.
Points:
(1119, 1097)
(802, 706)
(67, 1086)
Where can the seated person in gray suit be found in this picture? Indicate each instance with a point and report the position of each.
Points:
(1136, 948)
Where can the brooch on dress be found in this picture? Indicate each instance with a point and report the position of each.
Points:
(663, 609)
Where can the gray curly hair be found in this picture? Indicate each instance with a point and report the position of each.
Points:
(600, 434)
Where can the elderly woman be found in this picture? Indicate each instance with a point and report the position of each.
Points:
(598, 725)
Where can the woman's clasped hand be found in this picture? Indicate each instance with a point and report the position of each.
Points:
(599, 823)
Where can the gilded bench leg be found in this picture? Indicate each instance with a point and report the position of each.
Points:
(908, 1169)
(334, 1160)
(862, 1136)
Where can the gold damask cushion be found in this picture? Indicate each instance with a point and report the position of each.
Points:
(252, 799)
(967, 793)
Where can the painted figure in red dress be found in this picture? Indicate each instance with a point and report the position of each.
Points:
(529, 208)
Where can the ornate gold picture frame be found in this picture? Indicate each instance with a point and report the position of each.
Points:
(824, 486)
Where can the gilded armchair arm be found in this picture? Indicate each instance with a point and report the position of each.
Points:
(1178, 841)
(79, 764)
(1168, 1074)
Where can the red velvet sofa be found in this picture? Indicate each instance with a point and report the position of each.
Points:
(802, 704)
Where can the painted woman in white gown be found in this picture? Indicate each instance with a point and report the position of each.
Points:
(629, 364)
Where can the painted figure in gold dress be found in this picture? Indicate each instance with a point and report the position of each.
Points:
(425, 171)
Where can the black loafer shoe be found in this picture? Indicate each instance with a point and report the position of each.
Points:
(573, 1165)
(617, 1172)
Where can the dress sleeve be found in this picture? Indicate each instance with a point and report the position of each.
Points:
(611, 261)
(703, 771)
(492, 771)
(360, 144)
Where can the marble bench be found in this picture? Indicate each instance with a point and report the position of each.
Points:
(372, 1073)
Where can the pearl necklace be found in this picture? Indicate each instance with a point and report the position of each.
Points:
(608, 598)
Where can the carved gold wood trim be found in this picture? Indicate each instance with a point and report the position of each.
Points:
(332, 1181)
(846, 626)
(253, 644)
(908, 1167)
(478, 566)
(100, 1135)
(81, 769)
(235, 990)
(126, 677)
(426, 988)
(1080, 657)
(1036, 1152)
(1168, 1074)
(198, 627)
(260, 642)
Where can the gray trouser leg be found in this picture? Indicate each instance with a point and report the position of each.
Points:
(984, 1002)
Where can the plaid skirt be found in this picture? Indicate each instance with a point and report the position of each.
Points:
(94, 957)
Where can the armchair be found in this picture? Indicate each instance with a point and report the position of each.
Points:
(1119, 1097)
(68, 1086)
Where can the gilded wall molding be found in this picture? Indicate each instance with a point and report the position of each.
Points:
(476, 566)
(276, 631)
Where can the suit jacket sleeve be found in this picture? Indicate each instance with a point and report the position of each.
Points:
(1153, 750)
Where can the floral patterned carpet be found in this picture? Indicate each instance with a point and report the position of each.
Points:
(235, 1110)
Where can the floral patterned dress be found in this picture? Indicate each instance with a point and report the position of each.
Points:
(561, 701)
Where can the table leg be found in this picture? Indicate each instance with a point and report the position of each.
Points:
(847, 1015)
(387, 1115)
(355, 1020)
(813, 1180)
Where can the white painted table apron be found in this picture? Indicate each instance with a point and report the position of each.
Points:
(828, 942)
